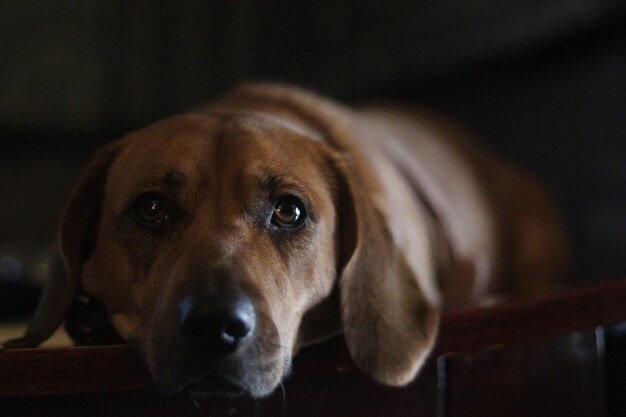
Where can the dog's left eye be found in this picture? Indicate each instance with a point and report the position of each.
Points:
(150, 208)
(289, 211)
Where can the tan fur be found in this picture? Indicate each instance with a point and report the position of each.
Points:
(409, 218)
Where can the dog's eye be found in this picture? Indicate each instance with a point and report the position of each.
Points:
(289, 211)
(150, 208)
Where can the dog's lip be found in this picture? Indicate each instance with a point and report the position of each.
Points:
(210, 385)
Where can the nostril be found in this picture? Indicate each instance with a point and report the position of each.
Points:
(236, 330)
(216, 325)
(186, 309)
(240, 327)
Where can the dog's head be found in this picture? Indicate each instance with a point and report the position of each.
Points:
(219, 243)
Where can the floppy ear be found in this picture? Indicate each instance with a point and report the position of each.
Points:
(75, 241)
(389, 326)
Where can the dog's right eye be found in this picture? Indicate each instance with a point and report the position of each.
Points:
(150, 208)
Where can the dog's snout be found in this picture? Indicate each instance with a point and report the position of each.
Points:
(216, 325)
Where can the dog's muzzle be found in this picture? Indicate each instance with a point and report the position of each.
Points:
(216, 325)
(214, 329)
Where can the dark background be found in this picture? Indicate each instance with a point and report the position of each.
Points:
(542, 82)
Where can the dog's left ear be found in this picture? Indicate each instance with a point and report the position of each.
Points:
(389, 326)
(76, 237)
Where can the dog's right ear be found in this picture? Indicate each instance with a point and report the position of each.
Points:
(76, 236)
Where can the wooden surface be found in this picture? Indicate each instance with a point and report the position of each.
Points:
(533, 319)
(523, 358)
(98, 369)
(338, 394)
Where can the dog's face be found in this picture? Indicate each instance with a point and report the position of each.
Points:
(215, 236)
(219, 243)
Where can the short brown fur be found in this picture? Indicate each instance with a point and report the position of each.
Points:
(406, 217)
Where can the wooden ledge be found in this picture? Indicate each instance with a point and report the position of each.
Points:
(98, 369)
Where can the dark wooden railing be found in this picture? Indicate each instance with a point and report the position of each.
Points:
(112, 379)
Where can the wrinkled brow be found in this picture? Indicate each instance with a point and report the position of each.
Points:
(173, 178)
(273, 183)
(270, 183)
(171, 181)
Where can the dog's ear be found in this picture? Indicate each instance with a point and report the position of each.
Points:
(389, 326)
(76, 236)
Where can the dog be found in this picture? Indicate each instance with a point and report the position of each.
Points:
(221, 241)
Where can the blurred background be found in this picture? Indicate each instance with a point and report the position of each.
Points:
(543, 82)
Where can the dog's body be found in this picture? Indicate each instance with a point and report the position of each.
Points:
(484, 228)
(221, 241)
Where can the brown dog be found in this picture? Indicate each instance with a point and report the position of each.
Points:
(223, 240)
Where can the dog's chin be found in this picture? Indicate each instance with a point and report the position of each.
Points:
(210, 386)
(216, 383)
(217, 386)
(176, 371)
(206, 386)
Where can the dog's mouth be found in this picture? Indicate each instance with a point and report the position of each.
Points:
(214, 385)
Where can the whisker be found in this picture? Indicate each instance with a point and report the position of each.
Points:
(280, 148)
(284, 392)
(196, 403)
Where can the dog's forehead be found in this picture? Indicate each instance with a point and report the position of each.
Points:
(196, 149)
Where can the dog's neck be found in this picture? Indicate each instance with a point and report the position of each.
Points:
(454, 274)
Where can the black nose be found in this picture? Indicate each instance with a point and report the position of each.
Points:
(216, 325)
